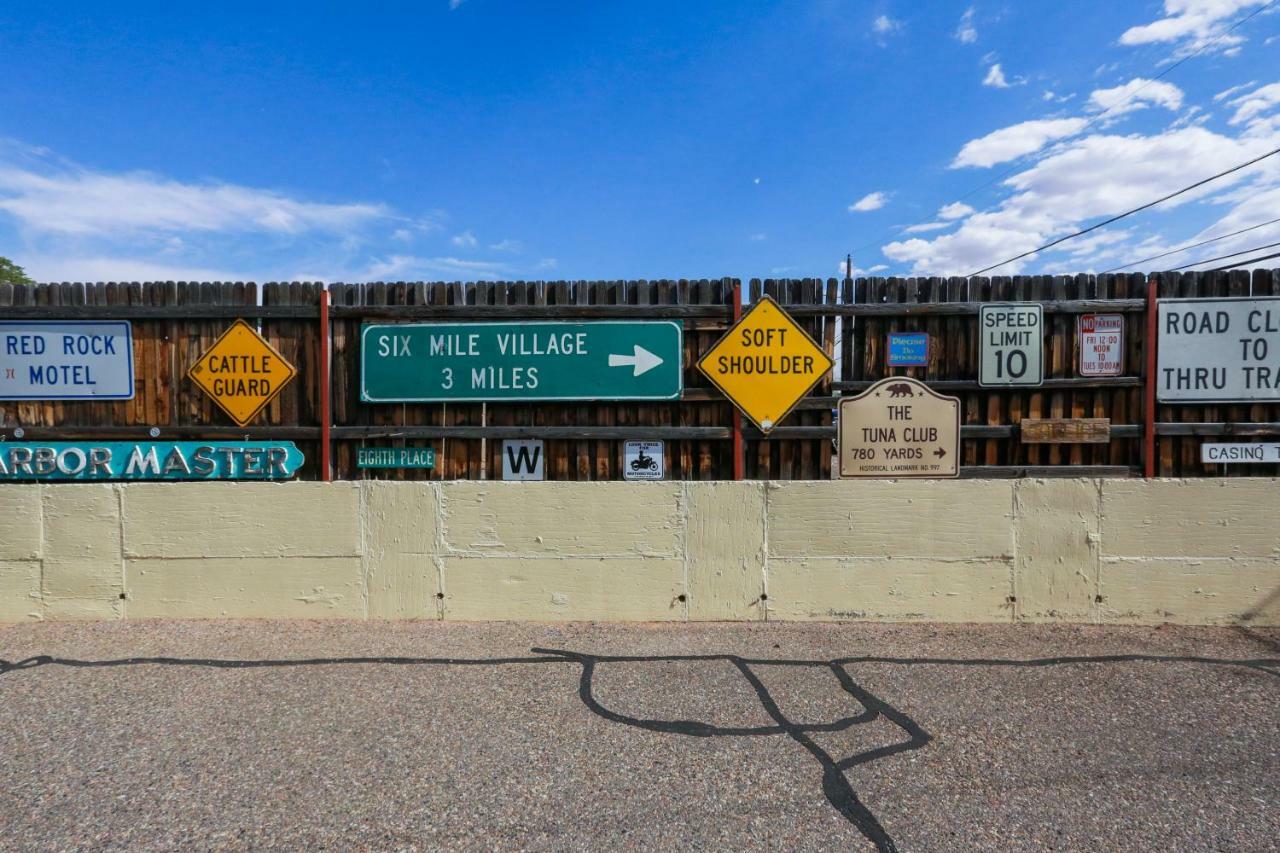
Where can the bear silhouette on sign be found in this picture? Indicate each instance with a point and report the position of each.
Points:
(900, 389)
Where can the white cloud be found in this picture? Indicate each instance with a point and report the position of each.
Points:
(547, 264)
(879, 268)
(1255, 103)
(1137, 94)
(465, 240)
(410, 266)
(758, 237)
(884, 25)
(995, 78)
(1194, 24)
(62, 267)
(1095, 176)
(1009, 143)
(454, 4)
(507, 246)
(955, 210)
(869, 202)
(966, 33)
(76, 201)
(1227, 93)
(925, 227)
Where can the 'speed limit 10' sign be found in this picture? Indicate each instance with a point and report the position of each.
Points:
(1012, 346)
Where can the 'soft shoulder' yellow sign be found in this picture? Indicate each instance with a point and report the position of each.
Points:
(765, 364)
(242, 372)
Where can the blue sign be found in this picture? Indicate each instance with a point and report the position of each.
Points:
(148, 460)
(909, 350)
(66, 360)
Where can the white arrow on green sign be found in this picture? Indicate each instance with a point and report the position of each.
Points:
(590, 360)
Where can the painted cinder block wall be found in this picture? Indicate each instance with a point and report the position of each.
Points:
(1089, 551)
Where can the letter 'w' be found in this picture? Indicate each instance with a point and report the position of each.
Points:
(523, 459)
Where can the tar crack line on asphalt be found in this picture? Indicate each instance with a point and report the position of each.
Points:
(835, 783)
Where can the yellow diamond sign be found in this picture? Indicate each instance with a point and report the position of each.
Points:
(765, 364)
(242, 372)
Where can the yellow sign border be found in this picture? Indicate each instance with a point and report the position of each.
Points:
(293, 372)
(782, 417)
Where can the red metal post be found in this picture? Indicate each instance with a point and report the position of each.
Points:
(1149, 402)
(739, 462)
(326, 387)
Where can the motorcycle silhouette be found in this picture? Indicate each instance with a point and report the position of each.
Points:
(644, 463)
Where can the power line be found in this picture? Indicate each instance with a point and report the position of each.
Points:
(1250, 261)
(1192, 246)
(1099, 116)
(1120, 216)
(1224, 257)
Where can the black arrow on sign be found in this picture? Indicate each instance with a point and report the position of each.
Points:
(939, 453)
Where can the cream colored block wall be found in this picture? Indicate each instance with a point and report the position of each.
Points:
(1191, 551)
(1196, 552)
(82, 558)
(1057, 536)
(561, 551)
(725, 550)
(902, 550)
(402, 569)
(21, 522)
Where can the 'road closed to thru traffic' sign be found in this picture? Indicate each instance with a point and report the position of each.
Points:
(1012, 344)
(1218, 350)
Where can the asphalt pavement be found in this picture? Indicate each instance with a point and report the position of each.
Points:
(240, 735)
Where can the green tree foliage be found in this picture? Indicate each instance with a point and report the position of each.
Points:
(11, 273)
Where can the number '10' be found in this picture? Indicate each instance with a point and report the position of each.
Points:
(1013, 362)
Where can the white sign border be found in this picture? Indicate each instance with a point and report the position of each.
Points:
(1202, 401)
(128, 327)
(1080, 344)
(982, 350)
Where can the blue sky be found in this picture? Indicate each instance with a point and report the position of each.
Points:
(500, 139)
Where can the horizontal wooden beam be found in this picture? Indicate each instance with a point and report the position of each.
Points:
(1006, 472)
(167, 433)
(972, 384)
(673, 433)
(907, 309)
(1237, 428)
(533, 312)
(353, 433)
(159, 312)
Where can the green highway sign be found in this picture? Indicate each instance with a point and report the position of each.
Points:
(589, 360)
(395, 457)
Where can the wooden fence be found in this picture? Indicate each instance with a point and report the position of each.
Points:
(174, 323)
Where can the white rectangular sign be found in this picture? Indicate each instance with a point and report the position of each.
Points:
(523, 460)
(1218, 350)
(643, 460)
(65, 360)
(1228, 454)
(1101, 344)
(1012, 344)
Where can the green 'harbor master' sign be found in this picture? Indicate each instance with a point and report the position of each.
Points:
(590, 360)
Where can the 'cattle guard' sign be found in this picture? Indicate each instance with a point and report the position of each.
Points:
(596, 360)
(242, 372)
(64, 360)
(1218, 350)
(150, 460)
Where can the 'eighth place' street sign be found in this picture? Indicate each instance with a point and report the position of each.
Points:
(590, 360)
